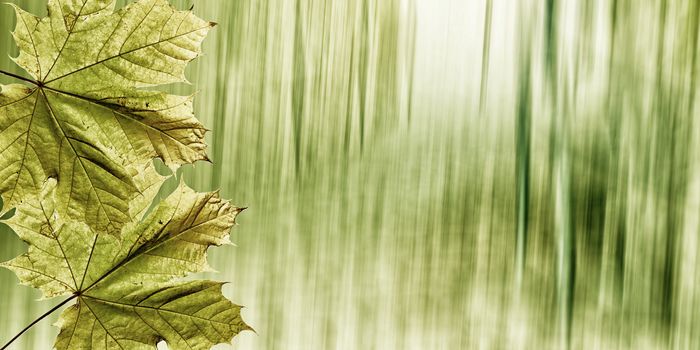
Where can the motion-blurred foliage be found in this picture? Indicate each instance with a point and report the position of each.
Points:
(448, 174)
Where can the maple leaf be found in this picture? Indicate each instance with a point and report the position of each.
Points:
(127, 289)
(86, 120)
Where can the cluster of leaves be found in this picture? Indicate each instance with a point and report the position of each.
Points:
(76, 151)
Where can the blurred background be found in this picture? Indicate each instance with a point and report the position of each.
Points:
(444, 174)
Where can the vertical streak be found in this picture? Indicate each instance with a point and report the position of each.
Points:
(666, 133)
(522, 153)
(411, 63)
(614, 221)
(349, 101)
(364, 66)
(523, 169)
(298, 88)
(225, 50)
(691, 110)
(485, 55)
(560, 152)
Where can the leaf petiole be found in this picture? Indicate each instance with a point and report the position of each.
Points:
(47, 313)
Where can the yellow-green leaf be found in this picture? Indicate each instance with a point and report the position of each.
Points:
(127, 290)
(86, 121)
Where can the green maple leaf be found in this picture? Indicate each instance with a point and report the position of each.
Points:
(127, 289)
(85, 119)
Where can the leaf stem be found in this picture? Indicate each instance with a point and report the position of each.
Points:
(47, 313)
(20, 78)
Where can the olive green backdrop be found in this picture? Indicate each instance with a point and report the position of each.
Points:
(445, 174)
